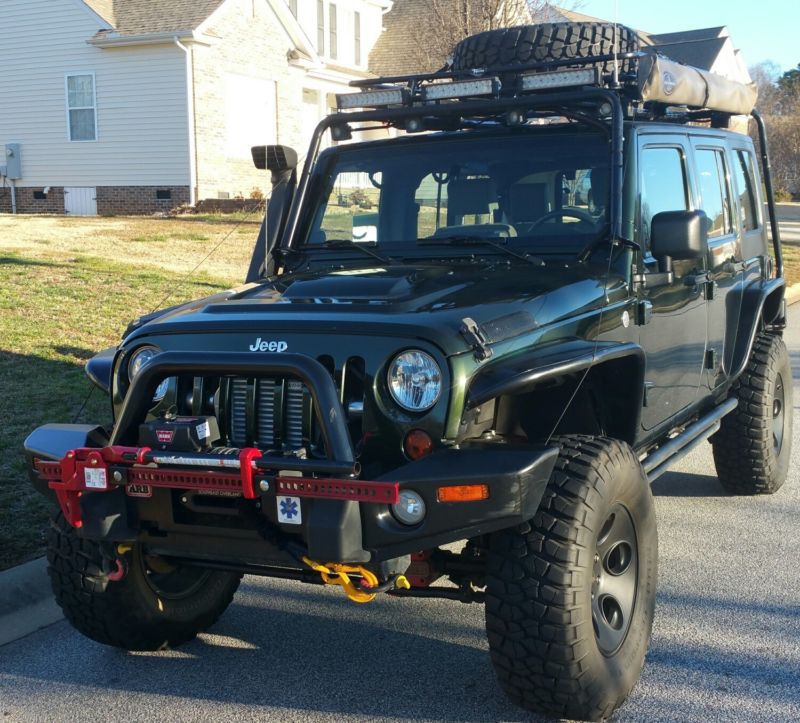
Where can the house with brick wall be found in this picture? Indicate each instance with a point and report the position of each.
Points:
(137, 106)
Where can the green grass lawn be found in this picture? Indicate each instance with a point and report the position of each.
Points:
(68, 288)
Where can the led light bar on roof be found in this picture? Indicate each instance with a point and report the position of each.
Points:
(460, 89)
(560, 79)
(370, 99)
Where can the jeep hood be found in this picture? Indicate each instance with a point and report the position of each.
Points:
(420, 301)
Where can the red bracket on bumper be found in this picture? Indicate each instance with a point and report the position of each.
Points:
(246, 457)
(87, 470)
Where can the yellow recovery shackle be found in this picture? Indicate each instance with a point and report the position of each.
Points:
(334, 573)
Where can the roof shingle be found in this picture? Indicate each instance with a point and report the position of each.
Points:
(140, 17)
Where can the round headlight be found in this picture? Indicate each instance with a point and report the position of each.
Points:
(415, 380)
(139, 359)
(410, 510)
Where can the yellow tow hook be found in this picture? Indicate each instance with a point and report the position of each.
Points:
(334, 573)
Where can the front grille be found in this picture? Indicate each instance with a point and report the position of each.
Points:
(295, 397)
(238, 425)
(277, 414)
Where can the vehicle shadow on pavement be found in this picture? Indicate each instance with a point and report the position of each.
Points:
(264, 652)
(684, 484)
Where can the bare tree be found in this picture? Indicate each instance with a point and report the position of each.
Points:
(448, 21)
(779, 104)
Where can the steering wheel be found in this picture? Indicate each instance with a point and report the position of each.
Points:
(561, 213)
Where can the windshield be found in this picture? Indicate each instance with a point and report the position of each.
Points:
(541, 191)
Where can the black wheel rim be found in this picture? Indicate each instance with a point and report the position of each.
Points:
(778, 414)
(615, 579)
(171, 581)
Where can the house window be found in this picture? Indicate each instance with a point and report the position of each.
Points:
(163, 194)
(293, 7)
(320, 27)
(357, 37)
(333, 50)
(81, 108)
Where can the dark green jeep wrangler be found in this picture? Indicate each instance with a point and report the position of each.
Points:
(543, 281)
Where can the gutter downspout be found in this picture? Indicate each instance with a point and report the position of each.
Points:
(190, 119)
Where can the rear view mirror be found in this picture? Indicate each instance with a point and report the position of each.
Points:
(679, 235)
(274, 158)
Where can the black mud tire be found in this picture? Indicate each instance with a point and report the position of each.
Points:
(526, 44)
(130, 613)
(753, 446)
(543, 594)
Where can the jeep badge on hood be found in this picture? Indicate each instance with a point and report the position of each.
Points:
(261, 345)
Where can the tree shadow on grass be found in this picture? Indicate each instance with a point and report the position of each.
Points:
(25, 261)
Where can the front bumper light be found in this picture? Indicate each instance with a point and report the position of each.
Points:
(415, 380)
(410, 510)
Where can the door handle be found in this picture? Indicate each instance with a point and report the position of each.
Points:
(734, 267)
(702, 277)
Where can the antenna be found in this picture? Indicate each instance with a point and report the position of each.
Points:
(615, 79)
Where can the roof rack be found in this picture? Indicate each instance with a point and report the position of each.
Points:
(657, 82)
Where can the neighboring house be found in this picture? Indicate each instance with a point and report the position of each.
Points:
(135, 106)
(403, 48)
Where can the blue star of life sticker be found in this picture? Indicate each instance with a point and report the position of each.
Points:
(289, 510)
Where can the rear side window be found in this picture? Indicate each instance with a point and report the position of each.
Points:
(714, 194)
(663, 184)
(746, 186)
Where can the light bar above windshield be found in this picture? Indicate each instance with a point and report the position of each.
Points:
(460, 89)
(560, 79)
(371, 99)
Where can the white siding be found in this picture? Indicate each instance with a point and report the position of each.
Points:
(142, 135)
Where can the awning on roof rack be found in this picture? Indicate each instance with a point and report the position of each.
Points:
(665, 81)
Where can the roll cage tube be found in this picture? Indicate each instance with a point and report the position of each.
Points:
(766, 172)
(558, 103)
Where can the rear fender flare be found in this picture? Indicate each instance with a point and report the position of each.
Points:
(762, 304)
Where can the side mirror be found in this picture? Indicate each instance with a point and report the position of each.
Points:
(679, 235)
(274, 158)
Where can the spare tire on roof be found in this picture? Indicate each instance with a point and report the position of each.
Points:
(527, 44)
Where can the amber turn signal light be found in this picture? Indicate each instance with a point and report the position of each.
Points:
(462, 493)
(417, 444)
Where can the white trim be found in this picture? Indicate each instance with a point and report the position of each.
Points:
(74, 74)
(190, 115)
(294, 30)
(116, 40)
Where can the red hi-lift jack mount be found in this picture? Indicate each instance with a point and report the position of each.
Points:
(93, 470)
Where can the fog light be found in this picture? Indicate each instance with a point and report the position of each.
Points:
(417, 444)
(410, 510)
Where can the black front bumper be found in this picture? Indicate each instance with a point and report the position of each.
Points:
(249, 528)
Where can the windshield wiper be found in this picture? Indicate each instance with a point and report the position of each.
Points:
(345, 243)
(479, 241)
